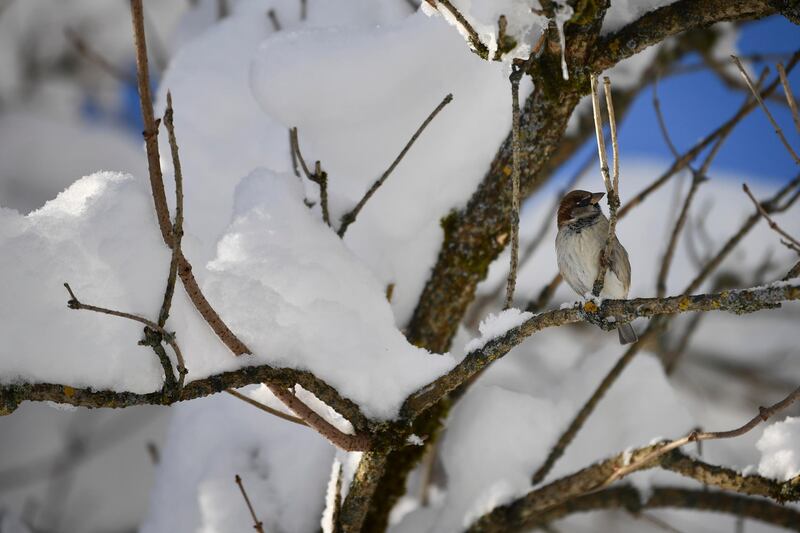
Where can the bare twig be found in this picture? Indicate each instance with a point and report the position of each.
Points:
(273, 18)
(257, 524)
(292, 144)
(612, 186)
(318, 176)
(787, 91)
(661, 123)
(177, 228)
(775, 125)
(152, 451)
(150, 132)
(790, 242)
(350, 217)
(264, 407)
(94, 57)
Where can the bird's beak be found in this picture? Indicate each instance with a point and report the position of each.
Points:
(596, 197)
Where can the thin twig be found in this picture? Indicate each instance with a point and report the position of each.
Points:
(516, 147)
(319, 176)
(661, 123)
(763, 415)
(350, 217)
(150, 132)
(273, 18)
(303, 9)
(177, 228)
(257, 524)
(790, 242)
(94, 57)
(787, 91)
(264, 407)
(612, 185)
(292, 144)
(775, 125)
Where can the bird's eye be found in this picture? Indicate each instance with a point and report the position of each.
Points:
(583, 203)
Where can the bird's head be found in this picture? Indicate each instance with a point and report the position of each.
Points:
(577, 205)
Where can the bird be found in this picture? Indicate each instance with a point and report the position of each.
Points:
(582, 232)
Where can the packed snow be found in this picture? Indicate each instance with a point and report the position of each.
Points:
(497, 325)
(780, 450)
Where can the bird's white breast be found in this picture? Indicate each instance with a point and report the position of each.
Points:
(577, 254)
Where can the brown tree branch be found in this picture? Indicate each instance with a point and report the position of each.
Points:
(150, 132)
(280, 414)
(365, 480)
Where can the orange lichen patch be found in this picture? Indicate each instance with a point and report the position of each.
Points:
(507, 170)
(684, 304)
(590, 307)
(69, 392)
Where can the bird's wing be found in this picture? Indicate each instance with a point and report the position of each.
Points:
(620, 265)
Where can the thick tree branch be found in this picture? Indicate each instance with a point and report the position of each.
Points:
(655, 26)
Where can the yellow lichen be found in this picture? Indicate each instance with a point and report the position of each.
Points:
(69, 392)
(590, 307)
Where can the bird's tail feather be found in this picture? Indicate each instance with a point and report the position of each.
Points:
(627, 334)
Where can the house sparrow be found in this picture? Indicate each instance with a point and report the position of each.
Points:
(582, 232)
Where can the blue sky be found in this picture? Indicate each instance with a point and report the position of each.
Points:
(694, 104)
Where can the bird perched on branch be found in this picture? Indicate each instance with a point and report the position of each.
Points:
(582, 232)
